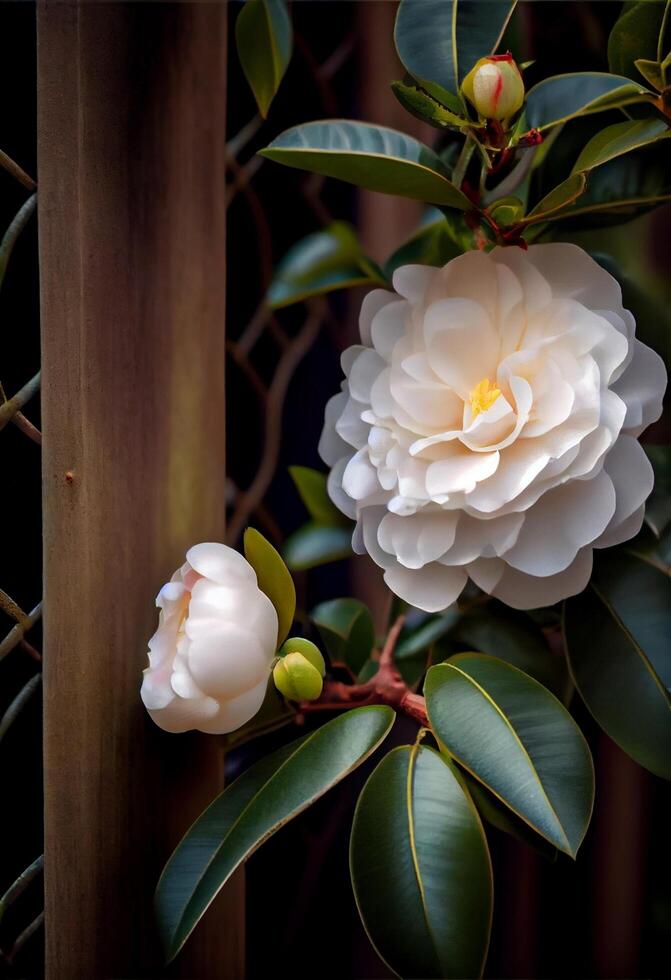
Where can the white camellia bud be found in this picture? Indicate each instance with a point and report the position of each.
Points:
(210, 658)
(494, 87)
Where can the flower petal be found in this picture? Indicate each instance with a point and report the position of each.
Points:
(642, 388)
(562, 522)
(220, 563)
(461, 343)
(431, 588)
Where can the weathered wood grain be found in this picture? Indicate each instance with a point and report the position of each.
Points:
(132, 248)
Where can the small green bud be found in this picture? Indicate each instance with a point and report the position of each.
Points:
(494, 87)
(297, 679)
(298, 644)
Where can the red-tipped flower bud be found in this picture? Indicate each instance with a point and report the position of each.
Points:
(494, 87)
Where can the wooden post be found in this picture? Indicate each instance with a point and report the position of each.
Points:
(131, 125)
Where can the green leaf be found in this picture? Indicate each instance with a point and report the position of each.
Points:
(620, 190)
(561, 97)
(515, 638)
(439, 41)
(311, 485)
(420, 867)
(514, 736)
(264, 40)
(273, 577)
(346, 627)
(620, 138)
(499, 816)
(658, 504)
(413, 641)
(652, 72)
(423, 106)
(559, 198)
(635, 35)
(507, 210)
(373, 157)
(253, 808)
(431, 245)
(617, 641)
(316, 544)
(321, 263)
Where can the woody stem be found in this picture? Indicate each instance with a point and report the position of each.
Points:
(386, 687)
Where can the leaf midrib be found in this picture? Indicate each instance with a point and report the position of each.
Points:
(272, 829)
(413, 847)
(619, 622)
(521, 745)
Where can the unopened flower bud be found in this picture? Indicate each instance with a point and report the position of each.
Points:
(299, 671)
(494, 87)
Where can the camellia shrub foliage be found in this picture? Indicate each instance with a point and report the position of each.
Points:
(484, 451)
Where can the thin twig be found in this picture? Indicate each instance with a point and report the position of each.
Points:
(17, 705)
(12, 608)
(237, 143)
(289, 361)
(19, 222)
(385, 687)
(19, 886)
(17, 632)
(24, 936)
(13, 405)
(387, 654)
(16, 171)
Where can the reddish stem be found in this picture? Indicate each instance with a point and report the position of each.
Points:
(386, 687)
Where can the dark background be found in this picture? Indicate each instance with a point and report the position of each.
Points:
(606, 915)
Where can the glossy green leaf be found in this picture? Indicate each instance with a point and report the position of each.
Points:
(515, 638)
(373, 157)
(423, 106)
(346, 627)
(273, 577)
(499, 816)
(439, 41)
(620, 190)
(658, 504)
(507, 210)
(414, 640)
(253, 808)
(635, 34)
(311, 485)
(514, 736)
(316, 544)
(561, 97)
(321, 263)
(431, 245)
(561, 197)
(617, 641)
(620, 138)
(264, 40)
(420, 867)
(652, 72)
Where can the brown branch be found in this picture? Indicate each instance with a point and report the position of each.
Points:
(386, 687)
(11, 406)
(16, 171)
(289, 361)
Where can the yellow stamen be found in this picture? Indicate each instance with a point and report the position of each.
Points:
(483, 396)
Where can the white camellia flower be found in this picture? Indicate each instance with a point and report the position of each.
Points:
(210, 658)
(487, 426)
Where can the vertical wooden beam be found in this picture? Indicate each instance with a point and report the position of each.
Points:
(132, 249)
